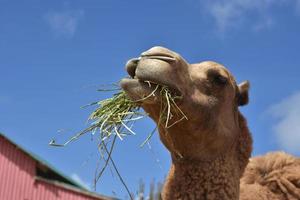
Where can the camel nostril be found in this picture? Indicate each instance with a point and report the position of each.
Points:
(159, 53)
(131, 66)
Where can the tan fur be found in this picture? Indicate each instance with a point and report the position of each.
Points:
(211, 179)
(276, 172)
(211, 149)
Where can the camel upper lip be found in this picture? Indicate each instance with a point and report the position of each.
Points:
(133, 64)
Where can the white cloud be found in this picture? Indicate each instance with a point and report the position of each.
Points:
(287, 125)
(79, 180)
(232, 13)
(268, 22)
(64, 23)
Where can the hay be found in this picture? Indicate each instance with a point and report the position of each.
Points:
(116, 115)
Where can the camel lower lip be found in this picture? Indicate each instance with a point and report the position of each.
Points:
(144, 86)
(130, 83)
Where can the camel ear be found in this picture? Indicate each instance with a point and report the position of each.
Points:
(243, 95)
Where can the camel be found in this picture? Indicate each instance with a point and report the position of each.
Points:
(210, 150)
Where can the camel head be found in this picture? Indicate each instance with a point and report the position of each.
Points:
(209, 98)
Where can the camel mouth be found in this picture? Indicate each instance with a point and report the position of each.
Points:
(146, 87)
(159, 85)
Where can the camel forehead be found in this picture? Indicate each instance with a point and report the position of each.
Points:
(205, 66)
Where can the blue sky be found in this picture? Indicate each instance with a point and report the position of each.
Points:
(55, 54)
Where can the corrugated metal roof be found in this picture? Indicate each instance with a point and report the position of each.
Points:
(69, 184)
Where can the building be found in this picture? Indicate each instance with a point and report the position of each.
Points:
(25, 176)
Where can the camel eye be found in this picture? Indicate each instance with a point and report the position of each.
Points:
(216, 78)
(220, 80)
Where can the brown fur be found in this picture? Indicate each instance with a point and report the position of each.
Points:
(277, 173)
(212, 179)
(211, 149)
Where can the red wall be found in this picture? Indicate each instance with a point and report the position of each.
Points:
(17, 171)
(18, 181)
(44, 190)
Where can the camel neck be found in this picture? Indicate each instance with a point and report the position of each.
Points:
(207, 180)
